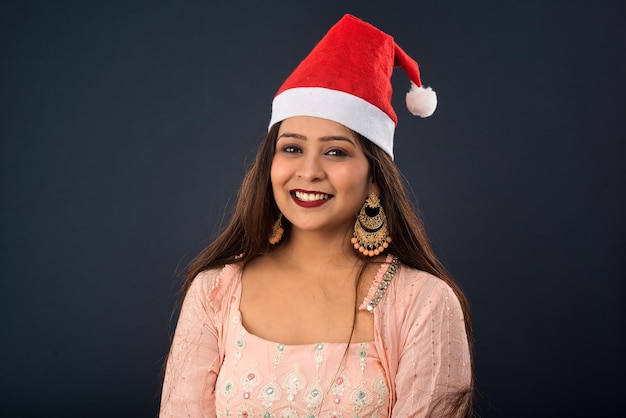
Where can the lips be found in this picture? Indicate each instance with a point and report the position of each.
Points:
(309, 199)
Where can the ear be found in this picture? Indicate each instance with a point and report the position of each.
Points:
(374, 188)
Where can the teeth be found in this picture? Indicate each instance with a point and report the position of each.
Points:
(310, 197)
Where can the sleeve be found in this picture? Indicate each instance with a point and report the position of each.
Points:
(434, 367)
(194, 361)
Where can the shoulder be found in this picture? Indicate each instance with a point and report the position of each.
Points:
(413, 289)
(419, 304)
(408, 278)
(213, 285)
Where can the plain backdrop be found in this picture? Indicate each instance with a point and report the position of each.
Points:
(126, 127)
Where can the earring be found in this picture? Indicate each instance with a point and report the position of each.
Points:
(277, 231)
(371, 235)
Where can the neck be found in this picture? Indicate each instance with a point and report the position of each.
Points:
(315, 249)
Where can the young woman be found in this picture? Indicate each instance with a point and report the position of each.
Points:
(322, 297)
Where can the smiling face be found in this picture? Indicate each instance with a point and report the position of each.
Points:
(320, 175)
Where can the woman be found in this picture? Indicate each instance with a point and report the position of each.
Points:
(322, 296)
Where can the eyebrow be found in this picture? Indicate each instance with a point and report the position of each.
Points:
(323, 138)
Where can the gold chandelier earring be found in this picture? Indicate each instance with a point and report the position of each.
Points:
(277, 231)
(371, 235)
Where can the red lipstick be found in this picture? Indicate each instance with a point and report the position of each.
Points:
(309, 199)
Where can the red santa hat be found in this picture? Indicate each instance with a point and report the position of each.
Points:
(346, 78)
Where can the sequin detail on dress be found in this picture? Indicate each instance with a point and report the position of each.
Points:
(384, 284)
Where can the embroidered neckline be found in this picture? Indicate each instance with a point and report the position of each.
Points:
(381, 283)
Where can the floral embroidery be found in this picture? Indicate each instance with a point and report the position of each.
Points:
(269, 394)
(360, 398)
(313, 396)
(240, 343)
(288, 413)
(382, 392)
(337, 388)
(228, 389)
(293, 383)
(318, 355)
(245, 413)
(249, 381)
(278, 358)
(362, 353)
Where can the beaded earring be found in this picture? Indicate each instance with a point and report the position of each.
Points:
(371, 235)
(277, 231)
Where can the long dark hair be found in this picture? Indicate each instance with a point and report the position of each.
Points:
(412, 247)
(246, 235)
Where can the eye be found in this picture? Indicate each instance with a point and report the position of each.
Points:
(291, 149)
(336, 152)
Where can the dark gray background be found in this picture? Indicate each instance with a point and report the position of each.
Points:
(126, 127)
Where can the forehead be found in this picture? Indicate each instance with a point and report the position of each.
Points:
(313, 127)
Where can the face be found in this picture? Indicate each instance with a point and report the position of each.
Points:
(320, 176)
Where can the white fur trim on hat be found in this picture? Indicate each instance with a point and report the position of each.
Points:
(338, 106)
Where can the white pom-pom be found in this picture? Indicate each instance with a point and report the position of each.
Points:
(421, 101)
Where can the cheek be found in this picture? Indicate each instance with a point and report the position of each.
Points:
(357, 180)
(357, 186)
(278, 174)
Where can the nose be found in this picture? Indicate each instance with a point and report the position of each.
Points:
(311, 168)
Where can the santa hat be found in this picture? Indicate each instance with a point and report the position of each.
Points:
(346, 78)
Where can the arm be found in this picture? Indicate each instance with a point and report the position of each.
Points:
(194, 361)
(434, 367)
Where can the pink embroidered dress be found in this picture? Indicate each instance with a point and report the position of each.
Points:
(217, 368)
(268, 379)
